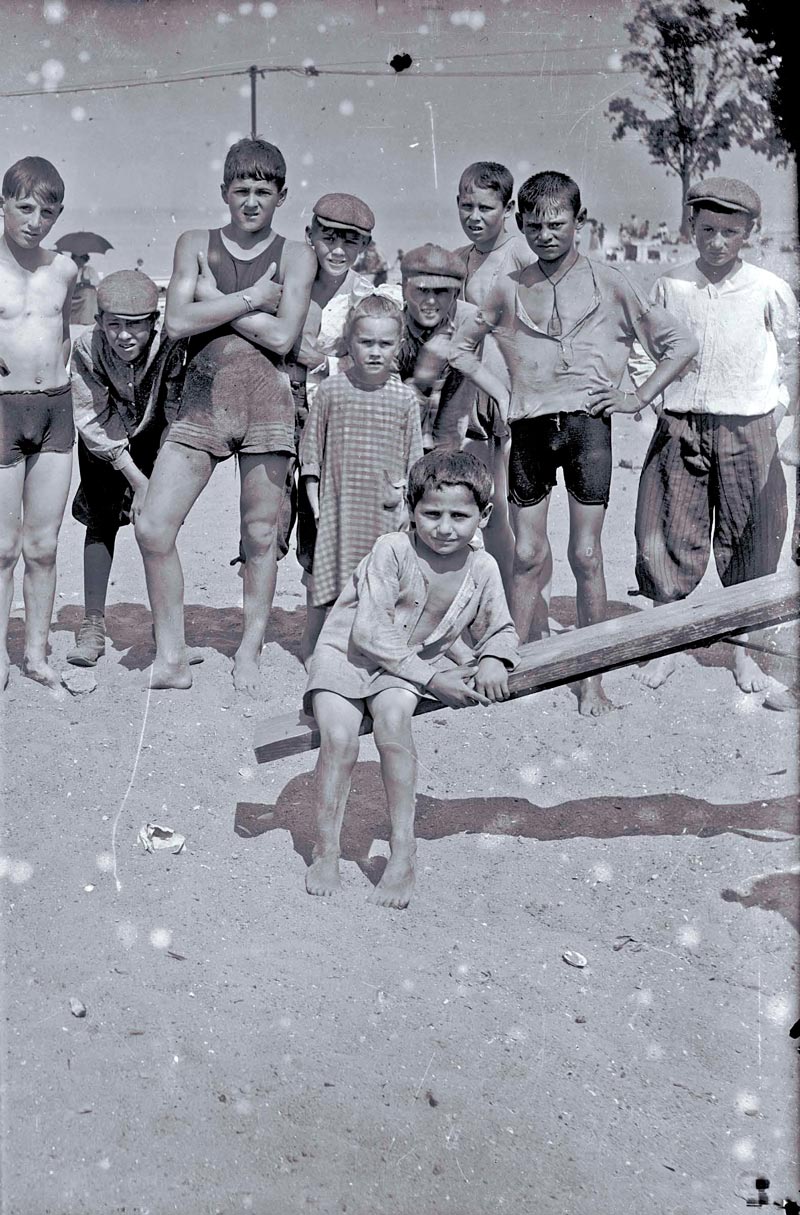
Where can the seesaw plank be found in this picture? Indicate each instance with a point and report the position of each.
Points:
(594, 649)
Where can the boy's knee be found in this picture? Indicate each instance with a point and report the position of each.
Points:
(338, 740)
(530, 553)
(10, 549)
(152, 536)
(259, 539)
(586, 560)
(40, 548)
(391, 727)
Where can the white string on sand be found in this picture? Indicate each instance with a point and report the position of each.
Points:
(130, 782)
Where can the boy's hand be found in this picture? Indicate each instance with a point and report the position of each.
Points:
(790, 447)
(206, 288)
(137, 505)
(491, 679)
(451, 689)
(608, 400)
(265, 293)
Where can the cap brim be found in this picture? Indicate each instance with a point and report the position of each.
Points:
(723, 202)
(433, 280)
(335, 223)
(128, 316)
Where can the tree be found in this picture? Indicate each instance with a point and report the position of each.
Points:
(771, 27)
(697, 65)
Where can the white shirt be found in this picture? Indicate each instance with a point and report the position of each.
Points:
(747, 327)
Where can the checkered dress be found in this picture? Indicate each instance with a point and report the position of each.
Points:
(360, 442)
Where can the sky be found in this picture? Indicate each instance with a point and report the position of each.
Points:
(142, 164)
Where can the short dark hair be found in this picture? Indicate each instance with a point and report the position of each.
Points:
(447, 467)
(254, 158)
(546, 189)
(488, 175)
(369, 307)
(35, 176)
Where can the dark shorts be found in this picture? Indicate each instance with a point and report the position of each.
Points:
(103, 499)
(235, 401)
(575, 442)
(35, 421)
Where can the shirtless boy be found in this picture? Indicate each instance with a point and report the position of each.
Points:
(36, 427)
(566, 326)
(225, 286)
(394, 635)
(712, 476)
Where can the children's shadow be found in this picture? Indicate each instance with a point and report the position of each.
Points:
(130, 628)
(367, 820)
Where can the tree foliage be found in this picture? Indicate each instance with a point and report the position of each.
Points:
(772, 27)
(712, 87)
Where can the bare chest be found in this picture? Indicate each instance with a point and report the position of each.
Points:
(31, 295)
(442, 590)
(557, 305)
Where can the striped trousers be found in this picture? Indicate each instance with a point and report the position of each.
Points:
(709, 480)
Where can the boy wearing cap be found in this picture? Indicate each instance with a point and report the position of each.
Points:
(121, 379)
(712, 476)
(565, 326)
(240, 295)
(36, 427)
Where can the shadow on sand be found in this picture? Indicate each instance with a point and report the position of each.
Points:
(675, 814)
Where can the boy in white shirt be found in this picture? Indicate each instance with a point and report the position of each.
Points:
(712, 476)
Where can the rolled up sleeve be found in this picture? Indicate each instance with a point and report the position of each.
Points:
(97, 423)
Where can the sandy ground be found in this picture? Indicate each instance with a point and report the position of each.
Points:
(248, 1048)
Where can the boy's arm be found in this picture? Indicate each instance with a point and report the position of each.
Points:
(783, 319)
(279, 333)
(66, 341)
(91, 406)
(473, 329)
(186, 315)
(312, 448)
(671, 345)
(493, 630)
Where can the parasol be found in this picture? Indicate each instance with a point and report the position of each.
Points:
(83, 242)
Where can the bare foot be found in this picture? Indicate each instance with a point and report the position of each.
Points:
(322, 876)
(41, 672)
(656, 671)
(592, 700)
(245, 674)
(397, 884)
(170, 674)
(748, 674)
(782, 700)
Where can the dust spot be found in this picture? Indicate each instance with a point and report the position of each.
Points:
(104, 862)
(20, 871)
(127, 933)
(267, 10)
(160, 938)
(688, 936)
(346, 107)
(54, 12)
(77, 113)
(743, 1150)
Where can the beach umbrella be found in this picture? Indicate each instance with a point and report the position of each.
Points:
(83, 242)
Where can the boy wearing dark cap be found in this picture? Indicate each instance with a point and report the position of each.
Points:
(712, 476)
(449, 378)
(123, 383)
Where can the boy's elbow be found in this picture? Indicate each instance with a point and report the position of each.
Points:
(175, 328)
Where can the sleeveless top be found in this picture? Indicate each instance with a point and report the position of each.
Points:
(233, 274)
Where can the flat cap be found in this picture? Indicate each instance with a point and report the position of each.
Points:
(344, 211)
(725, 192)
(432, 266)
(128, 293)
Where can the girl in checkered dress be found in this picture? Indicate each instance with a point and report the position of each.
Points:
(361, 438)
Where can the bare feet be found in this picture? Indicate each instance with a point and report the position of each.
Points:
(397, 884)
(656, 671)
(170, 674)
(245, 674)
(592, 700)
(41, 672)
(782, 700)
(322, 876)
(748, 674)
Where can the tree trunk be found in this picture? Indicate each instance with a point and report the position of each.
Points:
(686, 230)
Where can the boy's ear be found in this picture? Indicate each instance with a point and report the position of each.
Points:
(223, 189)
(580, 218)
(509, 207)
(485, 513)
(518, 218)
(281, 197)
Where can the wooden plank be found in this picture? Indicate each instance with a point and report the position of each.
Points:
(597, 648)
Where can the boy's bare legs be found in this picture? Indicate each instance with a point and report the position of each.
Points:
(44, 497)
(533, 572)
(339, 722)
(12, 480)
(591, 601)
(657, 670)
(498, 535)
(179, 476)
(262, 493)
(392, 711)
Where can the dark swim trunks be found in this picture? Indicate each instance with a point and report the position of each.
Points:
(236, 397)
(34, 421)
(104, 497)
(576, 442)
